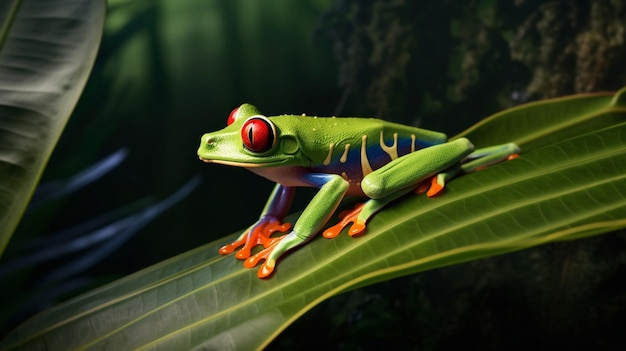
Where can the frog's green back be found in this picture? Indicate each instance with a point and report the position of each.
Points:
(331, 140)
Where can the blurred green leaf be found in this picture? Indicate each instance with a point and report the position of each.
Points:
(567, 188)
(47, 49)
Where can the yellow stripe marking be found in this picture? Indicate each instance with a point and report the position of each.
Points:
(392, 150)
(331, 148)
(365, 163)
(344, 156)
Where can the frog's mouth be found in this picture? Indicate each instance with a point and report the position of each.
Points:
(244, 164)
(275, 171)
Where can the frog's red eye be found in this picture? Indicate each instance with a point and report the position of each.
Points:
(233, 116)
(258, 134)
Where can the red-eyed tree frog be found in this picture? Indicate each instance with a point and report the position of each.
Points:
(365, 157)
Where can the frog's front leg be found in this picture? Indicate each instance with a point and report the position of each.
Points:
(332, 190)
(269, 222)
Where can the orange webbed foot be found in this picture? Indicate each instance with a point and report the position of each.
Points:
(258, 234)
(348, 216)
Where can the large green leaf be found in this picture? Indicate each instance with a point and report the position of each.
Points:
(47, 49)
(571, 186)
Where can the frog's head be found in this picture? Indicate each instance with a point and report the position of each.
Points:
(250, 140)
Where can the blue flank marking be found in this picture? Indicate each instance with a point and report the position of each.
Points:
(318, 179)
(376, 156)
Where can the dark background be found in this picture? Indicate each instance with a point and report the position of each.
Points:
(168, 71)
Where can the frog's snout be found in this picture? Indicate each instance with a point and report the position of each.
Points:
(207, 143)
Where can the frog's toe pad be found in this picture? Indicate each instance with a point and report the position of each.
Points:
(266, 267)
(357, 228)
(265, 270)
(243, 253)
(227, 249)
(252, 261)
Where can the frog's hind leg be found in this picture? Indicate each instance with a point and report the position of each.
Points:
(460, 160)
(485, 157)
(364, 211)
(476, 161)
(399, 177)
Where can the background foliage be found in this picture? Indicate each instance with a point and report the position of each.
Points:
(168, 71)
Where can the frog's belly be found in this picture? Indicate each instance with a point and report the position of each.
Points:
(285, 175)
(294, 176)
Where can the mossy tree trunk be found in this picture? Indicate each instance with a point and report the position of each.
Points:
(448, 60)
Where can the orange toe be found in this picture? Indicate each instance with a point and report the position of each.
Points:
(226, 249)
(333, 232)
(435, 188)
(252, 261)
(357, 228)
(512, 157)
(243, 253)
